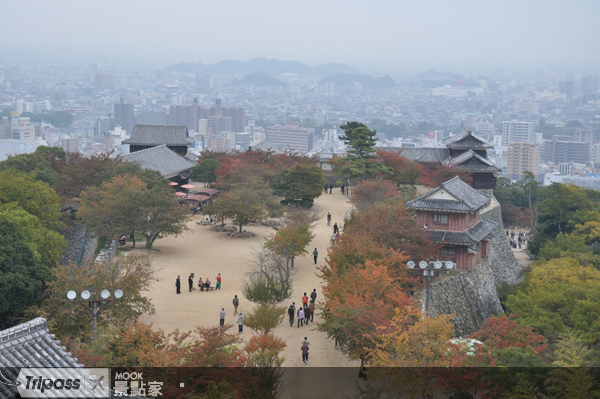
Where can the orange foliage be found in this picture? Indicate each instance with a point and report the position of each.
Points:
(434, 175)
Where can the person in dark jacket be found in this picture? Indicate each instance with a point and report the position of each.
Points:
(336, 229)
(307, 315)
(178, 284)
(191, 282)
(315, 255)
(304, 349)
(313, 296)
(291, 314)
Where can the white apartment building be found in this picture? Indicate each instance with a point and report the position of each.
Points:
(517, 132)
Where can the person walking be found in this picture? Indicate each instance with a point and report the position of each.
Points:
(307, 314)
(219, 279)
(178, 284)
(333, 238)
(304, 349)
(191, 282)
(313, 296)
(291, 313)
(338, 237)
(300, 317)
(331, 189)
(240, 322)
(336, 229)
(328, 219)
(345, 217)
(222, 316)
(343, 188)
(304, 301)
(326, 188)
(236, 303)
(312, 311)
(315, 255)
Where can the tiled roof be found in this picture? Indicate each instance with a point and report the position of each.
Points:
(423, 155)
(477, 163)
(162, 159)
(469, 199)
(157, 135)
(267, 146)
(474, 235)
(466, 139)
(30, 345)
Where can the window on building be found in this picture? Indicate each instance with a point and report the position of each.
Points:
(448, 252)
(440, 218)
(471, 216)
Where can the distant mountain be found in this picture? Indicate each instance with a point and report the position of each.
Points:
(260, 79)
(366, 80)
(272, 66)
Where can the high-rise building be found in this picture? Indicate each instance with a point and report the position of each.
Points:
(158, 118)
(103, 81)
(70, 145)
(589, 84)
(219, 118)
(22, 129)
(291, 136)
(566, 87)
(6, 128)
(522, 157)
(560, 150)
(103, 125)
(530, 108)
(124, 116)
(517, 132)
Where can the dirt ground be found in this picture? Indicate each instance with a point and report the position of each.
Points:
(206, 253)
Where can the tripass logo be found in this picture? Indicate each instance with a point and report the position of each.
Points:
(63, 382)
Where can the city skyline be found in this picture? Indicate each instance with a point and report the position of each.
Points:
(371, 36)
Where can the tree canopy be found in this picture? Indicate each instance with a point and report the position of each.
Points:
(299, 182)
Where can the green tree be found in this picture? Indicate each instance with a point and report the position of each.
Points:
(362, 161)
(126, 204)
(290, 241)
(33, 196)
(266, 289)
(22, 273)
(205, 171)
(299, 182)
(69, 321)
(35, 164)
(246, 202)
(113, 209)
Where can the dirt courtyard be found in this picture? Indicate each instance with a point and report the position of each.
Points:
(206, 253)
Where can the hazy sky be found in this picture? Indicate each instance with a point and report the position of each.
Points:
(363, 33)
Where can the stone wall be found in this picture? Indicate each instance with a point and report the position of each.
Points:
(75, 234)
(504, 264)
(471, 296)
(108, 253)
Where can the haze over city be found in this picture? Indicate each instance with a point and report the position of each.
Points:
(379, 35)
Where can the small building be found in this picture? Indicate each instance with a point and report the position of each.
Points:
(148, 136)
(451, 214)
(172, 166)
(463, 150)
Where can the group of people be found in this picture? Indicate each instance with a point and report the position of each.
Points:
(306, 312)
(240, 319)
(330, 188)
(201, 284)
(335, 237)
(519, 241)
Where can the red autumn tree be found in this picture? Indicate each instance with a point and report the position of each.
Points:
(403, 170)
(503, 332)
(392, 224)
(372, 192)
(365, 283)
(434, 175)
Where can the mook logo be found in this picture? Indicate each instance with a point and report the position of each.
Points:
(63, 382)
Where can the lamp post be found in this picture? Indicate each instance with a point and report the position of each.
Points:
(97, 305)
(429, 271)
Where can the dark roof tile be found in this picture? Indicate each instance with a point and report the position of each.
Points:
(162, 159)
(469, 199)
(157, 135)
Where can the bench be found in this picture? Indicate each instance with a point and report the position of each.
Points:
(212, 287)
